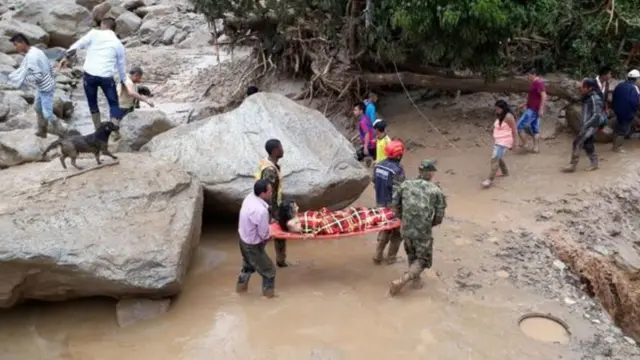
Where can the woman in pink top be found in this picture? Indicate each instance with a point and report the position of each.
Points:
(504, 136)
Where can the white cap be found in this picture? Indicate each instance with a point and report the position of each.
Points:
(377, 121)
(633, 74)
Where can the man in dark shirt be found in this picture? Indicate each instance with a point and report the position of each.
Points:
(625, 102)
(387, 176)
(270, 171)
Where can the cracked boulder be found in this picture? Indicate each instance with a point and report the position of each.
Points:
(127, 230)
(224, 151)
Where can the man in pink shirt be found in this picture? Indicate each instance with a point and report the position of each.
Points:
(253, 228)
(530, 120)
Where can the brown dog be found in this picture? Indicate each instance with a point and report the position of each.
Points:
(96, 143)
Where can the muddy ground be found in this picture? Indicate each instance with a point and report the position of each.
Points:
(496, 259)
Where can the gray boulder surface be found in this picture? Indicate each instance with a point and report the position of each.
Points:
(140, 126)
(224, 151)
(127, 230)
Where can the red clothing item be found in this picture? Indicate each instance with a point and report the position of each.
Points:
(534, 99)
(354, 219)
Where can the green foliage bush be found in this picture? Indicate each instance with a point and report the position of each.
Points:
(472, 34)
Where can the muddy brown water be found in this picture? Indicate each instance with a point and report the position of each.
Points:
(545, 328)
(332, 304)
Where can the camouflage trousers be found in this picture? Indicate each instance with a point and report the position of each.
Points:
(393, 238)
(419, 255)
(255, 259)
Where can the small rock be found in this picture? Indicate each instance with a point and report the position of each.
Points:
(610, 340)
(130, 311)
(127, 24)
(502, 274)
(546, 215)
(169, 35)
(601, 250)
(493, 240)
(569, 301)
(131, 5)
(629, 340)
(559, 265)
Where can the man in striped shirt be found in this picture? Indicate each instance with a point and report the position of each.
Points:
(104, 53)
(36, 69)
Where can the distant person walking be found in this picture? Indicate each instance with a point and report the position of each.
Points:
(36, 69)
(104, 53)
(625, 102)
(382, 140)
(504, 137)
(253, 228)
(592, 118)
(367, 134)
(370, 106)
(529, 122)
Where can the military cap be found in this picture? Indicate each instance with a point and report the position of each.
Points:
(428, 165)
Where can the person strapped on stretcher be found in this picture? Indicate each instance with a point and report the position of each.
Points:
(327, 222)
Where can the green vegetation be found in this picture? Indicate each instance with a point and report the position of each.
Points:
(490, 36)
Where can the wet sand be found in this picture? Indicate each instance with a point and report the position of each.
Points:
(332, 303)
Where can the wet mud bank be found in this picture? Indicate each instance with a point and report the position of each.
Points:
(598, 238)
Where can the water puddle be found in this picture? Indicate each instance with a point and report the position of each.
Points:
(545, 328)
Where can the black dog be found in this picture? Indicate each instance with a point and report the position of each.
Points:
(96, 143)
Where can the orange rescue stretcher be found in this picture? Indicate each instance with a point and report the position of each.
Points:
(326, 225)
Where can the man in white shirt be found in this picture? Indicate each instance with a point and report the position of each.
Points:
(104, 53)
(36, 69)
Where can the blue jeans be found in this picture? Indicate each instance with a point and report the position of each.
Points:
(498, 151)
(43, 104)
(108, 85)
(530, 120)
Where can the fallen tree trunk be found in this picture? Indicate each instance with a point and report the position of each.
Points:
(562, 89)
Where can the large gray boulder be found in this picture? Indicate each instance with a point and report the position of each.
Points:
(139, 127)
(127, 24)
(34, 33)
(14, 102)
(64, 20)
(21, 146)
(121, 231)
(224, 151)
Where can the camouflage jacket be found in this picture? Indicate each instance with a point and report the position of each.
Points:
(271, 176)
(421, 205)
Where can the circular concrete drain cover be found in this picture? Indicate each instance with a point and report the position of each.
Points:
(545, 327)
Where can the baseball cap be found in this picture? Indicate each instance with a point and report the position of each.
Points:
(428, 165)
(633, 74)
(379, 124)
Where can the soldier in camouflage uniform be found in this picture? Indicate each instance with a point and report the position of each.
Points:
(420, 204)
(270, 171)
